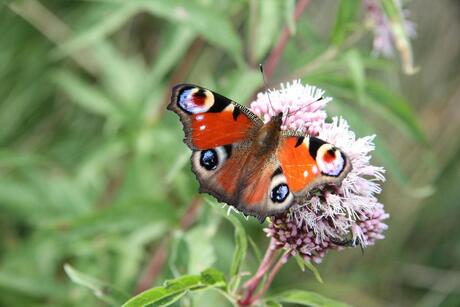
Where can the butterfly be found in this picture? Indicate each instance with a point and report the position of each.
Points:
(246, 163)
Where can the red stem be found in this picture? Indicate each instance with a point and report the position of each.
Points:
(251, 285)
(271, 276)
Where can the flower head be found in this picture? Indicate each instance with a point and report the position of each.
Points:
(302, 106)
(332, 216)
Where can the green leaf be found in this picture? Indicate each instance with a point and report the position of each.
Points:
(355, 65)
(255, 249)
(102, 290)
(241, 240)
(176, 43)
(300, 262)
(29, 285)
(201, 253)
(124, 79)
(87, 96)
(397, 107)
(267, 29)
(200, 18)
(343, 22)
(307, 264)
(241, 84)
(174, 289)
(381, 99)
(314, 270)
(241, 245)
(306, 298)
(107, 24)
(272, 304)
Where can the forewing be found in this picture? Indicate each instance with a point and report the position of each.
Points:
(211, 120)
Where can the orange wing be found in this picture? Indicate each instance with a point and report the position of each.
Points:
(232, 175)
(308, 162)
(211, 120)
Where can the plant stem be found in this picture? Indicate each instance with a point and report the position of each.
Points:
(251, 285)
(279, 264)
(277, 52)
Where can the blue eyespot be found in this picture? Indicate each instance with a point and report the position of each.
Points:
(209, 159)
(279, 193)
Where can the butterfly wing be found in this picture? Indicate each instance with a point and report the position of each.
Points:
(211, 120)
(271, 183)
(308, 162)
(264, 191)
(229, 164)
(220, 133)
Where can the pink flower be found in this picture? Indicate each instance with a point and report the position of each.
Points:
(333, 216)
(301, 105)
(384, 37)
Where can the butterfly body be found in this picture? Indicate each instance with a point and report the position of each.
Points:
(251, 165)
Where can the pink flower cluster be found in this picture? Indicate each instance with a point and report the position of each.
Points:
(333, 216)
(301, 105)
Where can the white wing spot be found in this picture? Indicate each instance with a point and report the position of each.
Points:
(202, 127)
(305, 173)
(199, 117)
(315, 170)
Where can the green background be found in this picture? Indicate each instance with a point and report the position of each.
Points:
(94, 173)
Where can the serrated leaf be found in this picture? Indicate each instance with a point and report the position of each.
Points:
(102, 290)
(173, 289)
(306, 298)
(346, 14)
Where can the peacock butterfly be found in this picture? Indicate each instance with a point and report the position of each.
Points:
(251, 165)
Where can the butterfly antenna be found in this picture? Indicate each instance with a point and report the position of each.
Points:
(286, 116)
(261, 68)
(308, 104)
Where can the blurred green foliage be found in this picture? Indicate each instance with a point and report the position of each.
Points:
(95, 177)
